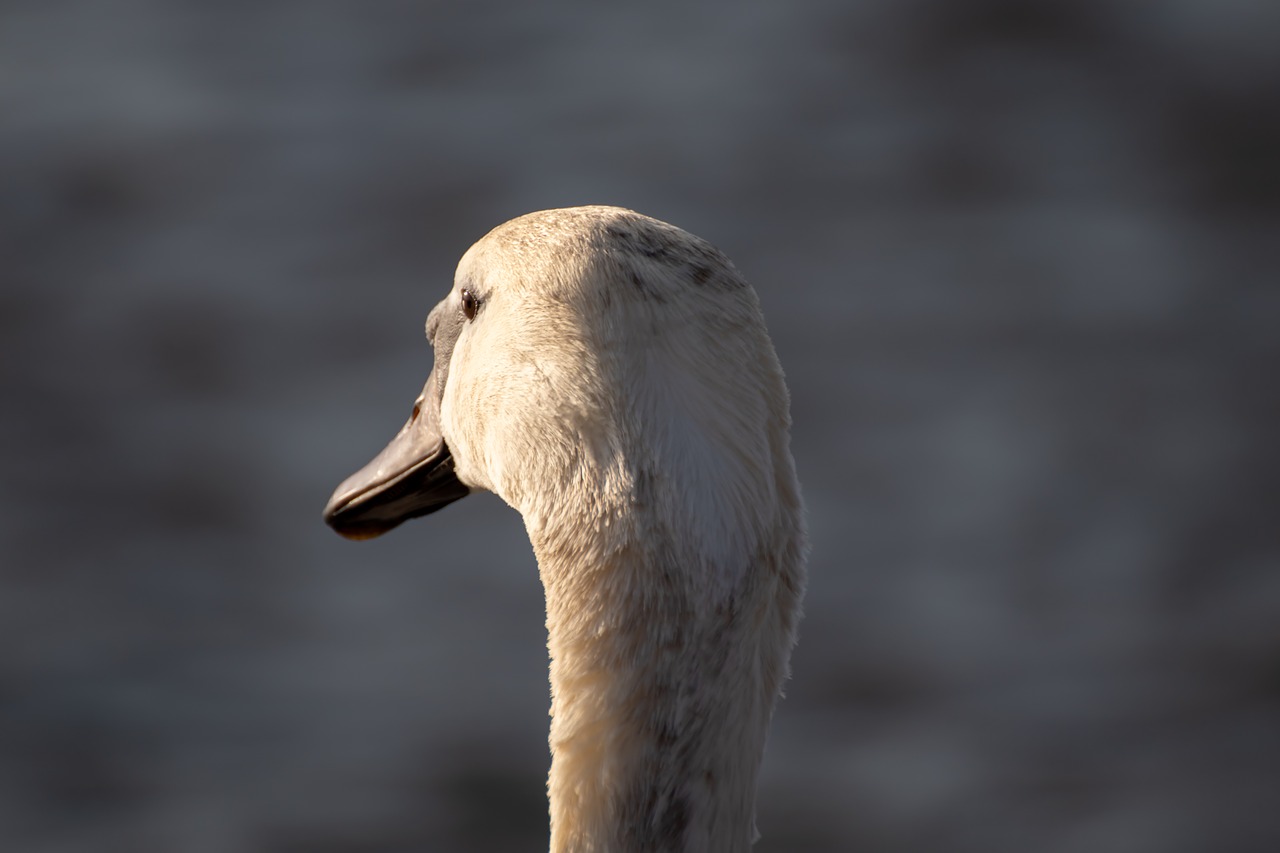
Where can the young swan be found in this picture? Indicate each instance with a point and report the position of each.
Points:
(610, 377)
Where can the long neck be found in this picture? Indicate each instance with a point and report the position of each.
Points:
(662, 684)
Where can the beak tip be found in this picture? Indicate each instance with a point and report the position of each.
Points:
(359, 534)
(355, 529)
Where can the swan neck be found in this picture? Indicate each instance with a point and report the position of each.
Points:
(658, 707)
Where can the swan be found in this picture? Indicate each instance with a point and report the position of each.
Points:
(609, 376)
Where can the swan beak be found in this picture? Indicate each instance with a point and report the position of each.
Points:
(412, 476)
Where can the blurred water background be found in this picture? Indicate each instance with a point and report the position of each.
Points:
(1019, 260)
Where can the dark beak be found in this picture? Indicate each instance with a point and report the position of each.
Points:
(412, 476)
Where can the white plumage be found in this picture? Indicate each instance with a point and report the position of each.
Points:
(610, 377)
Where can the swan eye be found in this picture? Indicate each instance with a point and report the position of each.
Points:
(469, 303)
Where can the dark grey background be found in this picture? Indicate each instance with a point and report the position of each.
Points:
(1019, 260)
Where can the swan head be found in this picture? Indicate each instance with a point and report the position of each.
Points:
(596, 353)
